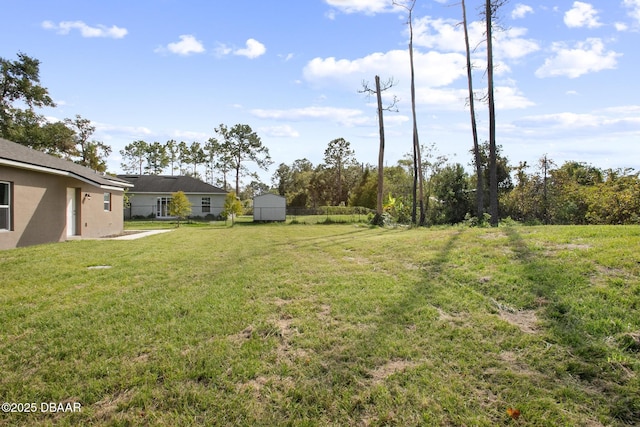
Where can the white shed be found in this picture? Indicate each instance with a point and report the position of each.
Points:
(269, 207)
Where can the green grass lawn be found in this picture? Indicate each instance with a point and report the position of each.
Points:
(280, 324)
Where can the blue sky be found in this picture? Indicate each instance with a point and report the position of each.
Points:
(566, 77)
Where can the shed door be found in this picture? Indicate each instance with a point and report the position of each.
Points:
(72, 212)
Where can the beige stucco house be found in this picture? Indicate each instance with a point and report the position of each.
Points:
(152, 194)
(46, 199)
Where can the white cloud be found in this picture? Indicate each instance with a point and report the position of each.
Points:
(520, 11)
(186, 135)
(65, 27)
(586, 57)
(222, 49)
(510, 98)
(368, 7)
(187, 45)
(582, 15)
(284, 131)
(252, 50)
(618, 120)
(448, 36)
(634, 5)
(510, 44)
(436, 69)
(621, 26)
(344, 116)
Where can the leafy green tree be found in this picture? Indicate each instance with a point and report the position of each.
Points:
(90, 153)
(616, 200)
(211, 150)
(502, 170)
(20, 84)
(172, 150)
(183, 154)
(195, 156)
(365, 194)
(157, 158)
(524, 202)
(54, 138)
(282, 179)
(134, 156)
(337, 157)
(232, 206)
(180, 206)
(241, 144)
(451, 189)
(254, 188)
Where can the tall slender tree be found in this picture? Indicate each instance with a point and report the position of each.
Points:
(338, 155)
(194, 155)
(418, 180)
(243, 145)
(491, 11)
(134, 156)
(157, 158)
(211, 150)
(474, 127)
(173, 153)
(392, 107)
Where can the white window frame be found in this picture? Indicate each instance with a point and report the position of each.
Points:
(6, 226)
(206, 205)
(162, 207)
(107, 202)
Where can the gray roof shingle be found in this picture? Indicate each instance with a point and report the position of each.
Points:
(169, 184)
(21, 156)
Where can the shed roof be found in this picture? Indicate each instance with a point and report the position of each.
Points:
(170, 184)
(23, 157)
(269, 195)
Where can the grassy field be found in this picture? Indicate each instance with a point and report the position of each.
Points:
(282, 324)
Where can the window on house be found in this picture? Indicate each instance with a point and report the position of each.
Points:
(206, 204)
(162, 207)
(107, 201)
(5, 206)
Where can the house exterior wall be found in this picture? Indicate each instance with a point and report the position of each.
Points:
(39, 209)
(269, 207)
(145, 204)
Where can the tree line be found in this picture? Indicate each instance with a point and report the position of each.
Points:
(573, 193)
(212, 161)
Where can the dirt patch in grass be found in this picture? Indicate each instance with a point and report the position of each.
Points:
(242, 336)
(325, 311)
(383, 372)
(526, 320)
(105, 409)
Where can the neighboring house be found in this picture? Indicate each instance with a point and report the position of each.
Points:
(269, 207)
(151, 196)
(46, 199)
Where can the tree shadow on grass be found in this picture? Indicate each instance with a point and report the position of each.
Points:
(557, 286)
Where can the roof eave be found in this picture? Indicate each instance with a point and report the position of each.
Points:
(21, 165)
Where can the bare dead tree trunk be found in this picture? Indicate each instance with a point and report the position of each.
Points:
(381, 151)
(493, 171)
(474, 128)
(418, 178)
(391, 107)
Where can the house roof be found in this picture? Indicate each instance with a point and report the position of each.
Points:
(20, 156)
(170, 184)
